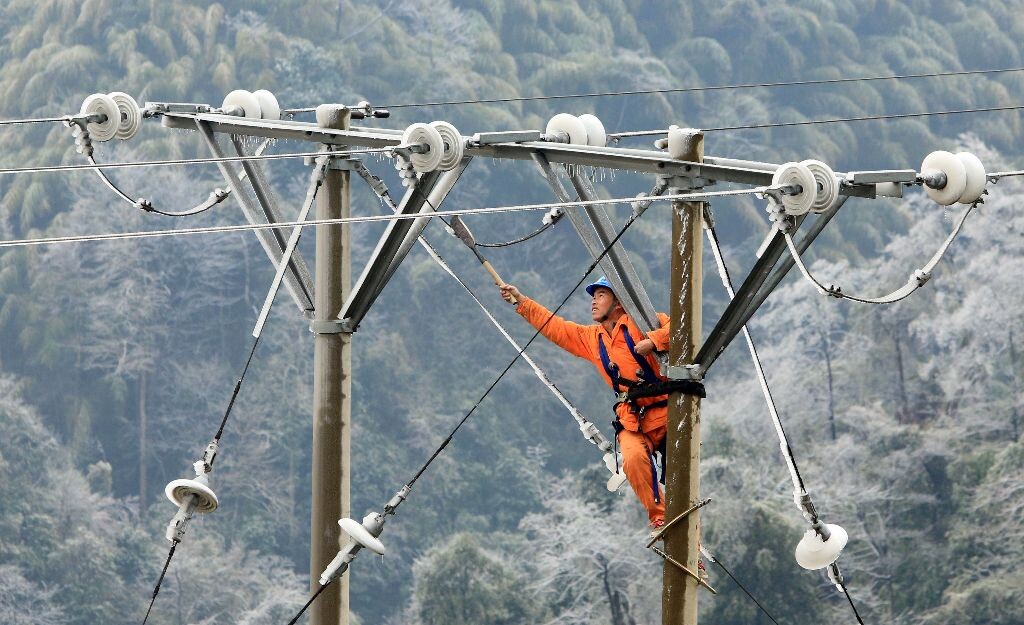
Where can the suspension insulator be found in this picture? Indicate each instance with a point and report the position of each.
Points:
(976, 178)
(827, 185)
(131, 115)
(945, 177)
(596, 134)
(102, 104)
(813, 552)
(570, 125)
(796, 174)
(454, 145)
(269, 108)
(361, 535)
(244, 100)
(426, 135)
(178, 491)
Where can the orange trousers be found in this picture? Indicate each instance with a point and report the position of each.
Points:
(638, 464)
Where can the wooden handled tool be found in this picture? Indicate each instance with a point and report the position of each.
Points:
(460, 230)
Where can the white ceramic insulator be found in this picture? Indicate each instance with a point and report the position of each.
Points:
(103, 104)
(813, 553)
(269, 108)
(596, 134)
(796, 174)
(179, 490)
(361, 535)
(570, 125)
(131, 115)
(976, 177)
(956, 177)
(454, 145)
(826, 183)
(246, 101)
(424, 134)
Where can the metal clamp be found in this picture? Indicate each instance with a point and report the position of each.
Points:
(686, 372)
(329, 326)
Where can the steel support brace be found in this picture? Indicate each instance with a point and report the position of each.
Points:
(374, 275)
(261, 189)
(631, 290)
(738, 312)
(582, 224)
(271, 244)
(434, 200)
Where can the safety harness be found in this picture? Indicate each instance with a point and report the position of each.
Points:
(647, 384)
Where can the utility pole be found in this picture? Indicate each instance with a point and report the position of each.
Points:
(682, 466)
(332, 382)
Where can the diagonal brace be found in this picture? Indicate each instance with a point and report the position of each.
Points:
(374, 276)
(271, 244)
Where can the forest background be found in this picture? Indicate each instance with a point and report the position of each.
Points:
(117, 359)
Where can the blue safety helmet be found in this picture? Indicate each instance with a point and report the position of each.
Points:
(602, 281)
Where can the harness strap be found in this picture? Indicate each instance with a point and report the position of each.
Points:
(665, 387)
(610, 367)
(647, 373)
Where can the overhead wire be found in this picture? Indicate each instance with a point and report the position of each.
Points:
(667, 90)
(40, 169)
(257, 333)
(518, 240)
(715, 560)
(145, 234)
(615, 136)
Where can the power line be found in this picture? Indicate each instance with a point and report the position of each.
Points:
(146, 234)
(794, 83)
(182, 161)
(838, 120)
(714, 559)
(34, 120)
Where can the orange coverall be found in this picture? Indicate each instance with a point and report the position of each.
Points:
(640, 437)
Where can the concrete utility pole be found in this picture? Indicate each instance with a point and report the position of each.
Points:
(682, 466)
(332, 382)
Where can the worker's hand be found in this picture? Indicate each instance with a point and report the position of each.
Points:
(644, 347)
(510, 293)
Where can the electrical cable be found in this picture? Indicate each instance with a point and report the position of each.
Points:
(145, 234)
(794, 83)
(184, 161)
(216, 196)
(34, 120)
(615, 136)
(444, 444)
(708, 555)
(917, 279)
(801, 496)
(519, 240)
(257, 333)
(160, 580)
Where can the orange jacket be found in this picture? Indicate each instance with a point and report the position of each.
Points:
(582, 341)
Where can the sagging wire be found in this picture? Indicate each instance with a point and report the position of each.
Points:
(793, 83)
(800, 495)
(917, 279)
(587, 428)
(146, 234)
(549, 220)
(373, 523)
(216, 196)
(615, 136)
(192, 494)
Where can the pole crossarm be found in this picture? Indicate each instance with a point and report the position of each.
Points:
(633, 295)
(643, 161)
(737, 313)
(372, 280)
(270, 239)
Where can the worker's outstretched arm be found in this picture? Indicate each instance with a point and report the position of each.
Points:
(659, 337)
(572, 337)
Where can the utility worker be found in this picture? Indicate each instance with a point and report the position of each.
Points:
(624, 362)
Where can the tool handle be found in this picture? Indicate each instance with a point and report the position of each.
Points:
(494, 275)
